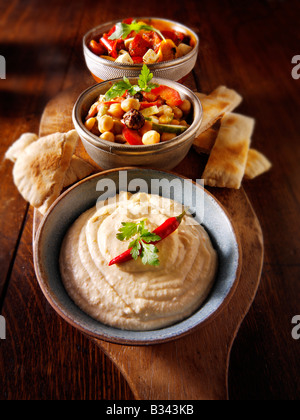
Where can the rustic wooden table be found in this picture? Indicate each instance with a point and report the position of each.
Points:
(245, 45)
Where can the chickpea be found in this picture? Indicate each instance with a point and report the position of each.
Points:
(120, 139)
(177, 113)
(167, 136)
(154, 119)
(105, 123)
(151, 137)
(175, 122)
(118, 126)
(116, 111)
(130, 103)
(183, 122)
(108, 136)
(146, 127)
(165, 110)
(89, 124)
(102, 110)
(166, 119)
(185, 106)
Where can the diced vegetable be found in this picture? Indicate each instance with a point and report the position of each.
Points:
(169, 128)
(97, 48)
(171, 96)
(152, 110)
(167, 50)
(132, 137)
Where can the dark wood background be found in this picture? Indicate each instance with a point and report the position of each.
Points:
(246, 45)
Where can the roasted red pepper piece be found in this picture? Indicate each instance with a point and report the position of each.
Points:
(128, 21)
(110, 45)
(137, 60)
(171, 96)
(132, 137)
(153, 39)
(93, 110)
(164, 230)
(97, 48)
(139, 46)
(149, 104)
(176, 37)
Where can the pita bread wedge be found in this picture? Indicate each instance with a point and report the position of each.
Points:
(227, 162)
(219, 102)
(200, 95)
(20, 145)
(40, 169)
(205, 142)
(257, 164)
(78, 169)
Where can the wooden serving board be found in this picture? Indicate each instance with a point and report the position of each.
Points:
(194, 367)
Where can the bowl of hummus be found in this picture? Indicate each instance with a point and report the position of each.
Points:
(136, 256)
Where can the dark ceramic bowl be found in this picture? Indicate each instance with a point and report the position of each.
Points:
(84, 195)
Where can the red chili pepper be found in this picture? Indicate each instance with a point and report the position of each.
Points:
(132, 137)
(164, 230)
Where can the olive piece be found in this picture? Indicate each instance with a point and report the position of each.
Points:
(138, 96)
(133, 119)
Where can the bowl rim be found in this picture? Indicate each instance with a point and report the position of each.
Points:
(124, 341)
(138, 66)
(121, 149)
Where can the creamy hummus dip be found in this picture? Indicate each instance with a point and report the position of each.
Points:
(131, 295)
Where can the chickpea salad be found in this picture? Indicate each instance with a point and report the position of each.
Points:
(142, 114)
(132, 42)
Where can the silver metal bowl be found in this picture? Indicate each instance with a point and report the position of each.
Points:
(165, 155)
(102, 69)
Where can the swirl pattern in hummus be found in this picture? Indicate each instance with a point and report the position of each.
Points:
(131, 295)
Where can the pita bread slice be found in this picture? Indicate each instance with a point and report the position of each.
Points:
(205, 142)
(257, 164)
(219, 102)
(78, 169)
(20, 145)
(227, 162)
(40, 169)
(200, 95)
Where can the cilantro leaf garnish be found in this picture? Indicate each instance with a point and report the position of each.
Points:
(150, 255)
(145, 78)
(127, 231)
(119, 88)
(122, 30)
(142, 242)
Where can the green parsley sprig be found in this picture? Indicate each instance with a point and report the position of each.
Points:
(141, 242)
(124, 29)
(119, 88)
